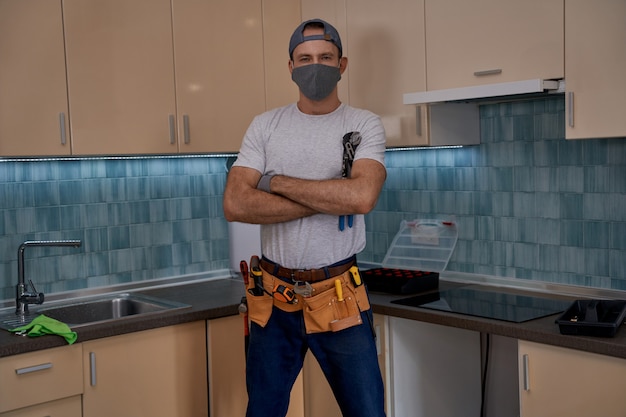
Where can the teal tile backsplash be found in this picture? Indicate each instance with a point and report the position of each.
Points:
(528, 204)
(139, 219)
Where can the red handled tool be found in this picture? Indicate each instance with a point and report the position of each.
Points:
(243, 307)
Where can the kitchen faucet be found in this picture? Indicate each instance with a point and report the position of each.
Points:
(23, 298)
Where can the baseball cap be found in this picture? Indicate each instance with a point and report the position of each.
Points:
(330, 34)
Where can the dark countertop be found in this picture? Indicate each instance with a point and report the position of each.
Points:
(208, 299)
(543, 330)
(221, 297)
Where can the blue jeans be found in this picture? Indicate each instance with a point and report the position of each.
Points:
(348, 359)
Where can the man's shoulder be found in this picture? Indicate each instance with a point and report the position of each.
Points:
(359, 112)
(277, 111)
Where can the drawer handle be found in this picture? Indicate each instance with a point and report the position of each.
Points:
(31, 369)
(186, 136)
(488, 72)
(62, 128)
(172, 123)
(570, 109)
(92, 368)
(526, 376)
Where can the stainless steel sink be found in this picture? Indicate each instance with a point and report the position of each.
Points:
(105, 308)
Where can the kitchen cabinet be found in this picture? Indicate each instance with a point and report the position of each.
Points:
(159, 372)
(385, 45)
(120, 76)
(386, 59)
(222, 78)
(556, 381)
(41, 378)
(595, 61)
(66, 407)
(33, 102)
(227, 371)
(480, 42)
(212, 76)
(436, 370)
(280, 18)
(153, 77)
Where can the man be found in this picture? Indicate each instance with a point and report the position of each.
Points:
(308, 172)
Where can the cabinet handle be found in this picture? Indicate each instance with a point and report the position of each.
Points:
(378, 346)
(186, 135)
(570, 109)
(31, 369)
(63, 131)
(526, 376)
(488, 72)
(172, 129)
(92, 368)
(418, 120)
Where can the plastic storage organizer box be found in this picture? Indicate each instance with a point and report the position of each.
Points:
(422, 245)
(418, 253)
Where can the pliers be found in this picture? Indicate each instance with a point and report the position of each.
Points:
(350, 142)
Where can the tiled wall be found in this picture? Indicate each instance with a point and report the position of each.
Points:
(138, 219)
(528, 204)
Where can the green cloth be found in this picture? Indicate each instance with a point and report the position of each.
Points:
(42, 325)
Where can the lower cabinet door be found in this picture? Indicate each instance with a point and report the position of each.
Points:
(227, 371)
(67, 407)
(157, 373)
(436, 370)
(40, 377)
(556, 382)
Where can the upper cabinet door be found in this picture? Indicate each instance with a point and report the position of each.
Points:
(219, 71)
(280, 18)
(386, 59)
(595, 64)
(384, 44)
(231, 65)
(120, 76)
(33, 92)
(479, 42)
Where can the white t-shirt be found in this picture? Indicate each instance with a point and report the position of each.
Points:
(285, 141)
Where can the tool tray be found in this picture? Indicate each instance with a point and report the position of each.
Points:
(593, 318)
(399, 281)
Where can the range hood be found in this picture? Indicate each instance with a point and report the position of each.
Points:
(508, 90)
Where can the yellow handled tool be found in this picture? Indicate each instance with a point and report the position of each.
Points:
(356, 276)
(339, 290)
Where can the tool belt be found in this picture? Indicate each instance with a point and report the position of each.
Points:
(307, 275)
(323, 310)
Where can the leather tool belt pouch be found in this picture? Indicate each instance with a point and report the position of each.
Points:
(322, 311)
(259, 306)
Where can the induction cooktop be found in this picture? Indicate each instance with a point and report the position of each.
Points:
(489, 304)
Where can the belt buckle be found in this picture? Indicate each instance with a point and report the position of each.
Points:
(301, 275)
(303, 288)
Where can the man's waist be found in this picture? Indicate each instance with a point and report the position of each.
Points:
(307, 275)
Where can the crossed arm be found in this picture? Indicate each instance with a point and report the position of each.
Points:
(294, 198)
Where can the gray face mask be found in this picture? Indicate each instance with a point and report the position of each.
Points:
(316, 81)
